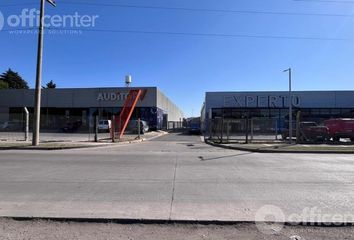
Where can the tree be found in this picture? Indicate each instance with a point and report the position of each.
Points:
(3, 85)
(13, 80)
(50, 85)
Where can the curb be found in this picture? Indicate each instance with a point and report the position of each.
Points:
(81, 147)
(162, 133)
(49, 148)
(142, 139)
(278, 151)
(172, 222)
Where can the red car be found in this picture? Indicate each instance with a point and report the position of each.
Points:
(341, 128)
(309, 132)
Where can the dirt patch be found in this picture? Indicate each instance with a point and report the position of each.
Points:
(46, 230)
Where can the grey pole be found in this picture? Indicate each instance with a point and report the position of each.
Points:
(37, 106)
(290, 108)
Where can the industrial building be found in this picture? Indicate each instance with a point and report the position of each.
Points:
(60, 106)
(314, 105)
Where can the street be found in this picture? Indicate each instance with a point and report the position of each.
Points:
(173, 177)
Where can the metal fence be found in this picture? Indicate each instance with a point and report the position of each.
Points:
(244, 130)
(263, 130)
(174, 125)
(56, 128)
(53, 128)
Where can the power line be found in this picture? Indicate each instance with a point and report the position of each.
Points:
(219, 35)
(197, 9)
(209, 10)
(204, 34)
(17, 29)
(324, 1)
(18, 4)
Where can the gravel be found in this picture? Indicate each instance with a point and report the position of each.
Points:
(48, 230)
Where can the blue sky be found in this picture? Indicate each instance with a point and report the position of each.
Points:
(184, 66)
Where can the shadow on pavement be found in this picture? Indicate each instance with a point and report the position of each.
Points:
(215, 158)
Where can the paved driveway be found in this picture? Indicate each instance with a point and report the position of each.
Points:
(175, 176)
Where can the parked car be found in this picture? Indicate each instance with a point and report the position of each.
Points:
(194, 126)
(104, 125)
(341, 128)
(71, 127)
(133, 126)
(309, 131)
(12, 126)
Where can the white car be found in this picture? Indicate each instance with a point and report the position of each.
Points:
(133, 126)
(104, 125)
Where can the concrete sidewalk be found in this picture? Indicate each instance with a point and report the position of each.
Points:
(286, 148)
(74, 143)
(68, 137)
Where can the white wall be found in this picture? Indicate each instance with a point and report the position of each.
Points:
(174, 113)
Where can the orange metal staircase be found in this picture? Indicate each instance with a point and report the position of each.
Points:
(122, 121)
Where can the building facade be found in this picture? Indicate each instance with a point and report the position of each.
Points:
(314, 105)
(60, 106)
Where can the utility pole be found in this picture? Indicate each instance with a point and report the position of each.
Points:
(290, 107)
(37, 106)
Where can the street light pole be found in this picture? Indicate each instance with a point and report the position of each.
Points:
(290, 107)
(37, 106)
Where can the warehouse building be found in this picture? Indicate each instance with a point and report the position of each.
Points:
(60, 106)
(314, 105)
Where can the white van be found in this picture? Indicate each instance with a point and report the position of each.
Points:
(104, 125)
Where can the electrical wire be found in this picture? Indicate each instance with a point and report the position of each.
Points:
(219, 35)
(324, 1)
(17, 4)
(250, 12)
(204, 34)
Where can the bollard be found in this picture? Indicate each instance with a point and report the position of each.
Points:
(252, 129)
(298, 133)
(247, 130)
(96, 128)
(113, 130)
(228, 131)
(139, 128)
(27, 124)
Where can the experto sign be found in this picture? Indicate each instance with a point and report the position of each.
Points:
(261, 101)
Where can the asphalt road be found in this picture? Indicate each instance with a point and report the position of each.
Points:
(174, 177)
